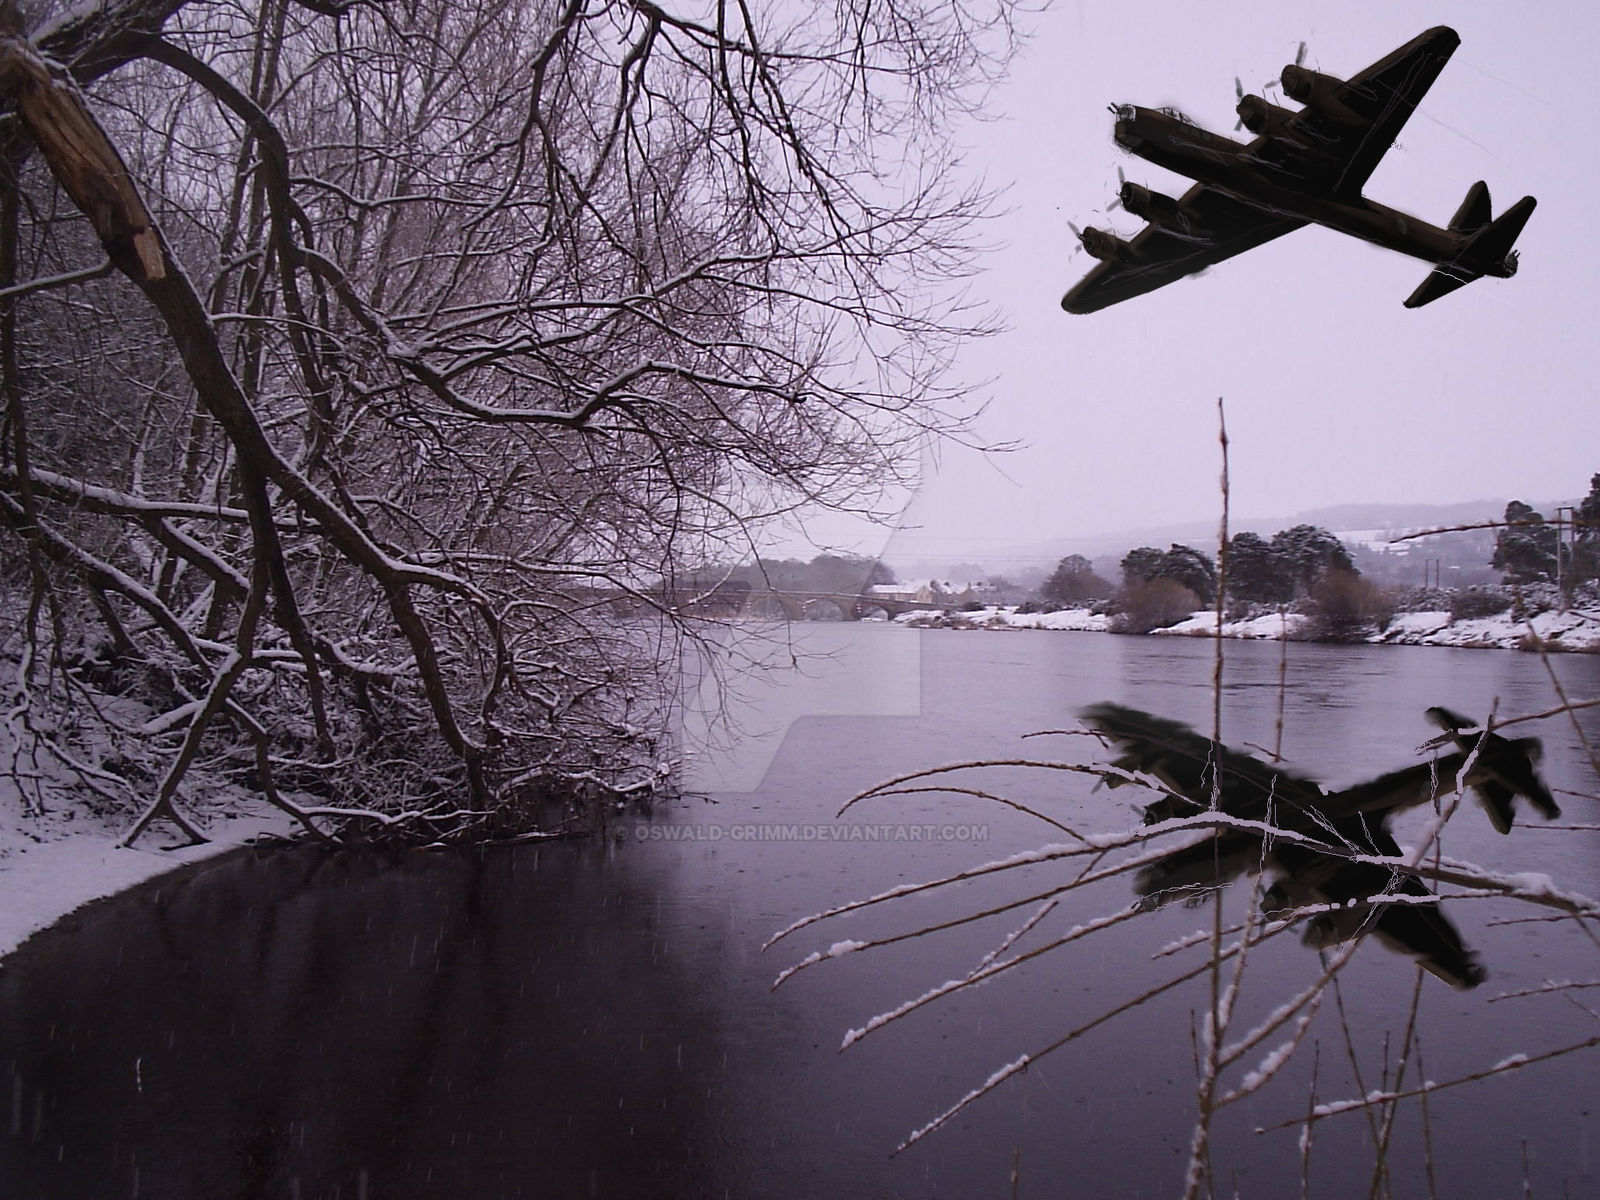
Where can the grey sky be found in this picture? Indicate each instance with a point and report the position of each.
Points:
(1335, 393)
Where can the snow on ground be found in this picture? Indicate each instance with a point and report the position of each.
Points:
(1409, 628)
(1007, 617)
(1272, 625)
(1575, 629)
(58, 839)
(56, 862)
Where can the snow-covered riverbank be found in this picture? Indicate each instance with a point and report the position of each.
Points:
(52, 864)
(1573, 630)
(55, 862)
(1576, 629)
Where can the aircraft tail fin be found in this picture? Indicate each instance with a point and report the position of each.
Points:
(1491, 245)
(1474, 212)
(1486, 250)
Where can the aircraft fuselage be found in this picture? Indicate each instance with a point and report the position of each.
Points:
(1305, 167)
(1177, 144)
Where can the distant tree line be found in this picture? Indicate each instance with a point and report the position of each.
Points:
(842, 574)
(1288, 566)
(1074, 581)
(1183, 565)
(1160, 587)
(1307, 567)
(1529, 549)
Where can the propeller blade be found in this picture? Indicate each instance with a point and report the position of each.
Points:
(1077, 233)
(1238, 88)
(1300, 55)
(1117, 202)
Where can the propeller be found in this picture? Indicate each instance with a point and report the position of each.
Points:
(1117, 201)
(1077, 233)
(1299, 62)
(1238, 85)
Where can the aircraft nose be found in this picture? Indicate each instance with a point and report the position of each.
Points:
(1122, 132)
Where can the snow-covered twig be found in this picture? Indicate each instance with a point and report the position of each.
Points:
(1376, 1098)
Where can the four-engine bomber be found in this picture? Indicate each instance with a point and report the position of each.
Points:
(1303, 167)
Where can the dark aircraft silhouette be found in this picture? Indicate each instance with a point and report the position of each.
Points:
(1398, 908)
(1305, 166)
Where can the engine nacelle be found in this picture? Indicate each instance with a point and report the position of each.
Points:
(1261, 117)
(1107, 247)
(1159, 210)
(1154, 207)
(1317, 91)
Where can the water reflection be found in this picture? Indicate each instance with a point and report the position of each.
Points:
(597, 1020)
(313, 1024)
(1316, 865)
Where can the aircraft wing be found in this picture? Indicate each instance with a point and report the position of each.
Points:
(1223, 227)
(1355, 123)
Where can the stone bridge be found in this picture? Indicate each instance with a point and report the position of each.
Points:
(728, 600)
(736, 599)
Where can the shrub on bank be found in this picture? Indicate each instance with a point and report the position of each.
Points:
(1344, 607)
(1475, 602)
(1424, 599)
(1531, 599)
(1152, 604)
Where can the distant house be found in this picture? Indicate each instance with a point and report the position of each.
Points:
(933, 591)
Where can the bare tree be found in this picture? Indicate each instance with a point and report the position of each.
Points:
(359, 357)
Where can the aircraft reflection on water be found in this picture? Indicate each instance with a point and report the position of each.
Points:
(1319, 865)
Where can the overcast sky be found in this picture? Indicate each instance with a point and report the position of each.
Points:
(1335, 393)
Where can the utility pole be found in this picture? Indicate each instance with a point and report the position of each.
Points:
(1572, 512)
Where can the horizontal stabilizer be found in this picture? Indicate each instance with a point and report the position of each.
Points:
(1446, 278)
(1486, 252)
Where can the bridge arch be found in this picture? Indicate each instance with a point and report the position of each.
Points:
(821, 608)
(772, 606)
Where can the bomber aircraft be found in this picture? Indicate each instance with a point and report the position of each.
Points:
(1305, 166)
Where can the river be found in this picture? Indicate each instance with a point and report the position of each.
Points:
(597, 1019)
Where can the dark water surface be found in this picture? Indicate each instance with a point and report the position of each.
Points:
(596, 1019)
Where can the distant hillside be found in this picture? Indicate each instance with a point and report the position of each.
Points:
(1402, 516)
(1338, 518)
(1017, 555)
